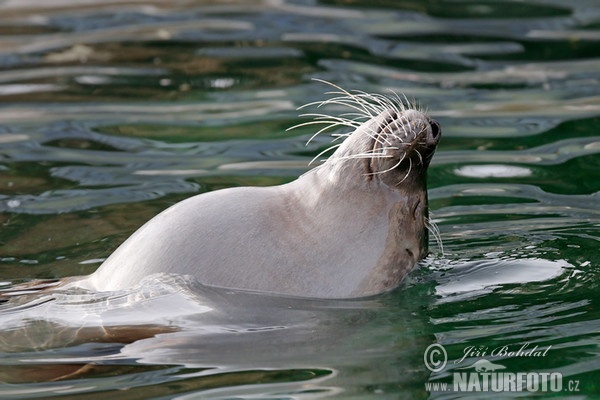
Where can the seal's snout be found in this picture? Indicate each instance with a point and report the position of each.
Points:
(404, 141)
(428, 141)
(436, 131)
(410, 130)
(410, 126)
(432, 137)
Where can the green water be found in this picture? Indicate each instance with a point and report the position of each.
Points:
(112, 111)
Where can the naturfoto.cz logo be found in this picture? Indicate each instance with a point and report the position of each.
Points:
(484, 375)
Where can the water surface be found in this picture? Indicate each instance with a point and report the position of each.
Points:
(112, 111)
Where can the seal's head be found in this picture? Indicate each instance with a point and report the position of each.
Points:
(389, 134)
(385, 156)
(394, 139)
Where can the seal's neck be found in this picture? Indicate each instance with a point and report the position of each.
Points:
(353, 157)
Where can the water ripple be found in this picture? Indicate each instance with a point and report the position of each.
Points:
(110, 111)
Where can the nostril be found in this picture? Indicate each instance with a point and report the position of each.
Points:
(435, 128)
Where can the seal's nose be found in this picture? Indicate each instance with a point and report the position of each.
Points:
(436, 132)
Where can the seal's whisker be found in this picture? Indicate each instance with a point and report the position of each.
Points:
(366, 155)
(370, 154)
(311, 123)
(384, 171)
(375, 135)
(331, 123)
(374, 102)
(345, 92)
(383, 118)
(385, 102)
(334, 121)
(380, 137)
(403, 126)
(339, 135)
(335, 146)
(348, 101)
(356, 117)
(365, 106)
(382, 150)
(319, 116)
(384, 138)
(404, 100)
(407, 172)
(392, 167)
(435, 232)
(310, 104)
(370, 133)
(365, 101)
(395, 103)
(344, 101)
(319, 132)
(398, 128)
(398, 103)
(420, 156)
(316, 104)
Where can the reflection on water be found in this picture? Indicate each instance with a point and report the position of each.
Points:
(205, 335)
(111, 111)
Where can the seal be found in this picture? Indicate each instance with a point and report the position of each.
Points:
(353, 226)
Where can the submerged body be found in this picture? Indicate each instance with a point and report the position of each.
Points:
(352, 227)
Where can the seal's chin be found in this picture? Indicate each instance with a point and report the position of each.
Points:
(404, 143)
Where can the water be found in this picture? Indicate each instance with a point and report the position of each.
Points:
(112, 111)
